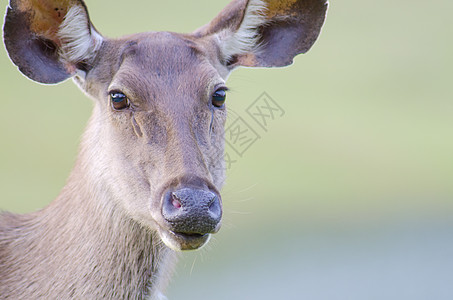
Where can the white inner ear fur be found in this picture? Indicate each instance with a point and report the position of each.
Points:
(246, 38)
(78, 43)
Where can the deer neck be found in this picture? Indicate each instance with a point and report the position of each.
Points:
(86, 244)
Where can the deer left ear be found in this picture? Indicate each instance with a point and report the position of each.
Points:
(266, 33)
(50, 40)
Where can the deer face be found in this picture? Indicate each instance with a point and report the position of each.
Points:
(160, 102)
(155, 140)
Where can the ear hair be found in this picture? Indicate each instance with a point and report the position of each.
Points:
(79, 40)
(246, 38)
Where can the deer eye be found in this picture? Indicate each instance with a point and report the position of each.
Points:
(219, 97)
(119, 100)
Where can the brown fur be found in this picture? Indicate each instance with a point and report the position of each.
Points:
(103, 237)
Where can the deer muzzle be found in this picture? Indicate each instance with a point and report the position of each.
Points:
(191, 215)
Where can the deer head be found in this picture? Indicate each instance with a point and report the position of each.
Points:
(154, 144)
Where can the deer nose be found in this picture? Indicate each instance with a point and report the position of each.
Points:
(192, 211)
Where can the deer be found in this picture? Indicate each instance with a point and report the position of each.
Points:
(146, 182)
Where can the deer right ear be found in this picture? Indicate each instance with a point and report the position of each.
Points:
(50, 40)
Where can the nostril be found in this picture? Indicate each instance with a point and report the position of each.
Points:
(212, 201)
(175, 201)
(215, 209)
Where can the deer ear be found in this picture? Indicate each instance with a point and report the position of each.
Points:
(50, 40)
(266, 33)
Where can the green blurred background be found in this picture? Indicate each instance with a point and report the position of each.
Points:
(349, 195)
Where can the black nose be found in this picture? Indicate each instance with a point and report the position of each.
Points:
(192, 211)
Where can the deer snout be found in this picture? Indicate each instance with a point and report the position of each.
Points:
(192, 211)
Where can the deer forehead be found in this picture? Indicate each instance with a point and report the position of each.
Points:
(159, 65)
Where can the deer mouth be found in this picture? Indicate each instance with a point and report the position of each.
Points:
(180, 241)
